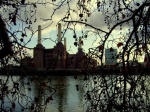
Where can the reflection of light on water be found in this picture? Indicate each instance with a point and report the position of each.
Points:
(75, 98)
(67, 97)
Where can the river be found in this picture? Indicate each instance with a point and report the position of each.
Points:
(48, 94)
(73, 93)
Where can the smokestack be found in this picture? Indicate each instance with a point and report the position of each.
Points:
(59, 32)
(39, 34)
(65, 42)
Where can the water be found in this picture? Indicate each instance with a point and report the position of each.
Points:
(49, 94)
(74, 93)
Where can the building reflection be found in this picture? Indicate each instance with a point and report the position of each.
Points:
(33, 94)
(59, 99)
(60, 84)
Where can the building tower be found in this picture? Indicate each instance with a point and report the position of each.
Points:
(60, 51)
(38, 51)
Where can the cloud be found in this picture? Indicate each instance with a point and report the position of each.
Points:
(46, 10)
(97, 20)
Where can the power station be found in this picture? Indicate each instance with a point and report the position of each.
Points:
(58, 57)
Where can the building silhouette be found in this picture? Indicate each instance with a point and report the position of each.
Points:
(58, 57)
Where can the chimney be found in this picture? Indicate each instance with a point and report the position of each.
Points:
(39, 34)
(59, 32)
(65, 42)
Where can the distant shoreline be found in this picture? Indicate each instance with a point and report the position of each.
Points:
(72, 72)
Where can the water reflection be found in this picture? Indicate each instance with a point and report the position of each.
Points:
(67, 97)
(44, 94)
(60, 97)
(67, 93)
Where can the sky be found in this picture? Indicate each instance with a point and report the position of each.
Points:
(96, 19)
(49, 32)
